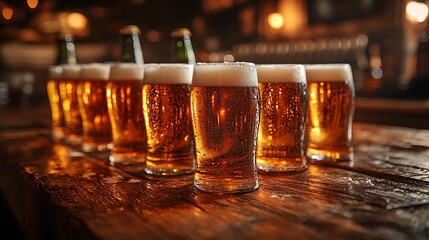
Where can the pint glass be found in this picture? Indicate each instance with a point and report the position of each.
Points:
(52, 86)
(68, 94)
(91, 91)
(280, 144)
(166, 107)
(124, 102)
(330, 112)
(225, 115)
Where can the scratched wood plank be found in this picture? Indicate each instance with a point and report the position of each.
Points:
(70, 195)
(390, 152)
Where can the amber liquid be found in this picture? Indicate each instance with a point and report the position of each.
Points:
(329, 121)
(72, 117)
(124, 101)
(57, 114)
(225, 121)
(169, 129)
(97, 133)
(280, 144)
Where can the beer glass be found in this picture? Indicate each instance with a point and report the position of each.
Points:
(280, 145)
(225, 115)
(124, 102)
(68, 96)
(166, 107)
(91, 91)
(52, 86)
(330, 112)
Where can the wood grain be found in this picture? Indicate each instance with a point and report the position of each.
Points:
(56, 191)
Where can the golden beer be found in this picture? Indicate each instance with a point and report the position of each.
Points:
(225, 114)
(68, 96)
(166, 107)
(124, 102)
(91, 91)
(52, 86)
(330, 112)
(280, 144)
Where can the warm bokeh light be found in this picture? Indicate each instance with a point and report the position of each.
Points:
(295, 15)
(77, 21)
(7, 13)
(228, 58)
(416, 11)
(32, 3)
(275, 20)
(153, 36)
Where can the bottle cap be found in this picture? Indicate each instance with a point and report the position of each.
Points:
(179, 32)
(129, 29)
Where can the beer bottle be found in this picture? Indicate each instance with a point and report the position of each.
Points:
(423, 55)
(66, 49)
(182, 51)
(131, 48)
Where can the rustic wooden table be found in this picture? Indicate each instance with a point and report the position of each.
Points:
(56, 191)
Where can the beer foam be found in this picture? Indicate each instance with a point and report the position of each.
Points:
(277, 73)
(329, 73)
(95, 71)
(55, 72)
(173, 73)
(225, 74)
(126, 71)
(71, 71)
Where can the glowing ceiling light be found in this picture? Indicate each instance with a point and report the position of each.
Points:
(77, 21)
(416, 12)
(7, 13)
(275, 20)
(32, 3)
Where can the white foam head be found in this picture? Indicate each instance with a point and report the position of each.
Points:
(281, 73)
(55, 72)
(225, 74)
(174, 73)
(126, 71)
(95, 71)
(329, 73)
(71, 72)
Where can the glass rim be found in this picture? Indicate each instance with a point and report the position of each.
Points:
(71, 71)
(225, 64)
(126, 71)
(232, 74)
(168, 73)
(281, 73)
(95, 71)
(163, 65)
(331, 72)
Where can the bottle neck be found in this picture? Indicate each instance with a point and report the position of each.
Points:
(131, 49)
(66, 51)
(182, 50)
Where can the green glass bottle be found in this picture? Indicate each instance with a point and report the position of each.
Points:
(182, 51)
(131, 48)
(66, 49)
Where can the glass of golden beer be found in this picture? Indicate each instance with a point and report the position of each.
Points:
(225, 115)
(68, 96)
(166, 107)
(52, 86)
(330, 112)
(124, 102)
(91, 92)
(280, 145)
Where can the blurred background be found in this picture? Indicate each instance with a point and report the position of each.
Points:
(385, 41)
